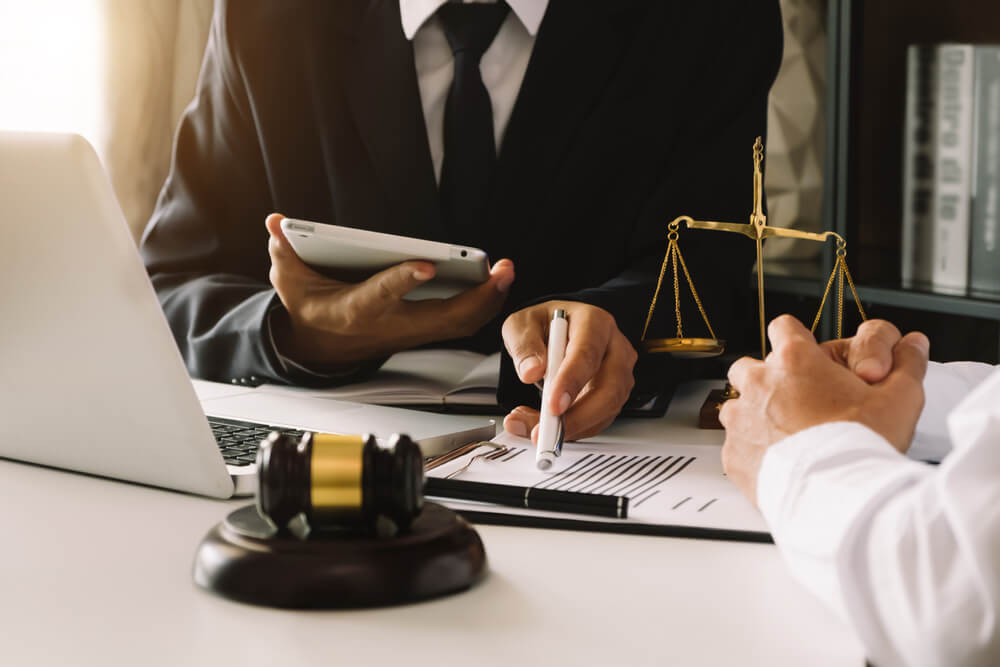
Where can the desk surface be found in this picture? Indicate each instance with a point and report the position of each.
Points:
(97, 572)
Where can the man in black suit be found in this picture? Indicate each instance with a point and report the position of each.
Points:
(560, 135)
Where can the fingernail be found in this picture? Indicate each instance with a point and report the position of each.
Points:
(923, 343)
(422, 274)
(564, 402)
(527, 365)
(514, 427)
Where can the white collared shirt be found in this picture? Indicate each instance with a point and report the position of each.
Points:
(503, 65)
(908, 553)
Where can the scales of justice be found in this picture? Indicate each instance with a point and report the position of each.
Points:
(758, 230)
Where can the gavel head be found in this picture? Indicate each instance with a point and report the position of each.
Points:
(338, 482)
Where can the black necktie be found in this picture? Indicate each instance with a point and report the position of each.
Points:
(470, 153)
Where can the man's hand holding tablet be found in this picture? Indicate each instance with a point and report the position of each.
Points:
(332, 324)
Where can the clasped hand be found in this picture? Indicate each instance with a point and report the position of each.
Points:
(874, 378)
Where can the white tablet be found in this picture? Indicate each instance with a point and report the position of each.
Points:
(352, 255)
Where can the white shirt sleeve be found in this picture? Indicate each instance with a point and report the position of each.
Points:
(908, 553)
(945, 385)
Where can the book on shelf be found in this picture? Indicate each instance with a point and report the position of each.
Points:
(947, 171)
(918, 166)
(952, 174)
(984, 255)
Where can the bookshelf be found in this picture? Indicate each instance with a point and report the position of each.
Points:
(866, 81)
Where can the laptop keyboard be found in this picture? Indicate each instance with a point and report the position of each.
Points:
(239, 440)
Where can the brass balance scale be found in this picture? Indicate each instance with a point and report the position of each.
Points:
(758, 230)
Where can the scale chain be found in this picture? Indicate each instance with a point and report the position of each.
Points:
(677, 289)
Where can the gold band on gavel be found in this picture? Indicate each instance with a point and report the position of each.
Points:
(336, 470)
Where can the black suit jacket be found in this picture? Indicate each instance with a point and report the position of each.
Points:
(630, 113)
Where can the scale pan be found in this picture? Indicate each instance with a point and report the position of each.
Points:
(688, 348)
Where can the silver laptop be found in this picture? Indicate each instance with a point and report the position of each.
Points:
(91, 379)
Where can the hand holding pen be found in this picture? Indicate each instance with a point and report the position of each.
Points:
(594, 380)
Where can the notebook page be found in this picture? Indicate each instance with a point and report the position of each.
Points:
(411, 377)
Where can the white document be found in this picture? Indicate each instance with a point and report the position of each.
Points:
(666, 484)
(421, 377)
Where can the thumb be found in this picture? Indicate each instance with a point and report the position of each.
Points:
(394, 283)
(523, 337)
(872, 349)
(283, 257)
(909, 363)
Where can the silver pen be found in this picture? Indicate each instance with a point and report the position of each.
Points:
(550, 427)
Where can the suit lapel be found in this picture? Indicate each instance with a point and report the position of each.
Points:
(578, 47)
(385, 101)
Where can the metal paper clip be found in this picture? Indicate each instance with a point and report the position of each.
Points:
(498, 451)
(456, 453)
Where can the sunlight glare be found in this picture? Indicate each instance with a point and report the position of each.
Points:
(51, 73)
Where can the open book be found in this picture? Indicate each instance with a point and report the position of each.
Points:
(443, 378)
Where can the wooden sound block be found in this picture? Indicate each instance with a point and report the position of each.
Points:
(708, 417)
(243, 558)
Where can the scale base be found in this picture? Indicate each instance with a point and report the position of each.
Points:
(244, 559)
(708, 417)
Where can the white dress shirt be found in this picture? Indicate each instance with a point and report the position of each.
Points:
(503, 64)
(907, 552)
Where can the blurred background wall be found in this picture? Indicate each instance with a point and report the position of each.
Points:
(796, 131)
(152, 58)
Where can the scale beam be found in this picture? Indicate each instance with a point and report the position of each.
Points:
(758, 230)
(751, 231)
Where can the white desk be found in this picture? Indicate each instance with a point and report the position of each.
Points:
(97, 572)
